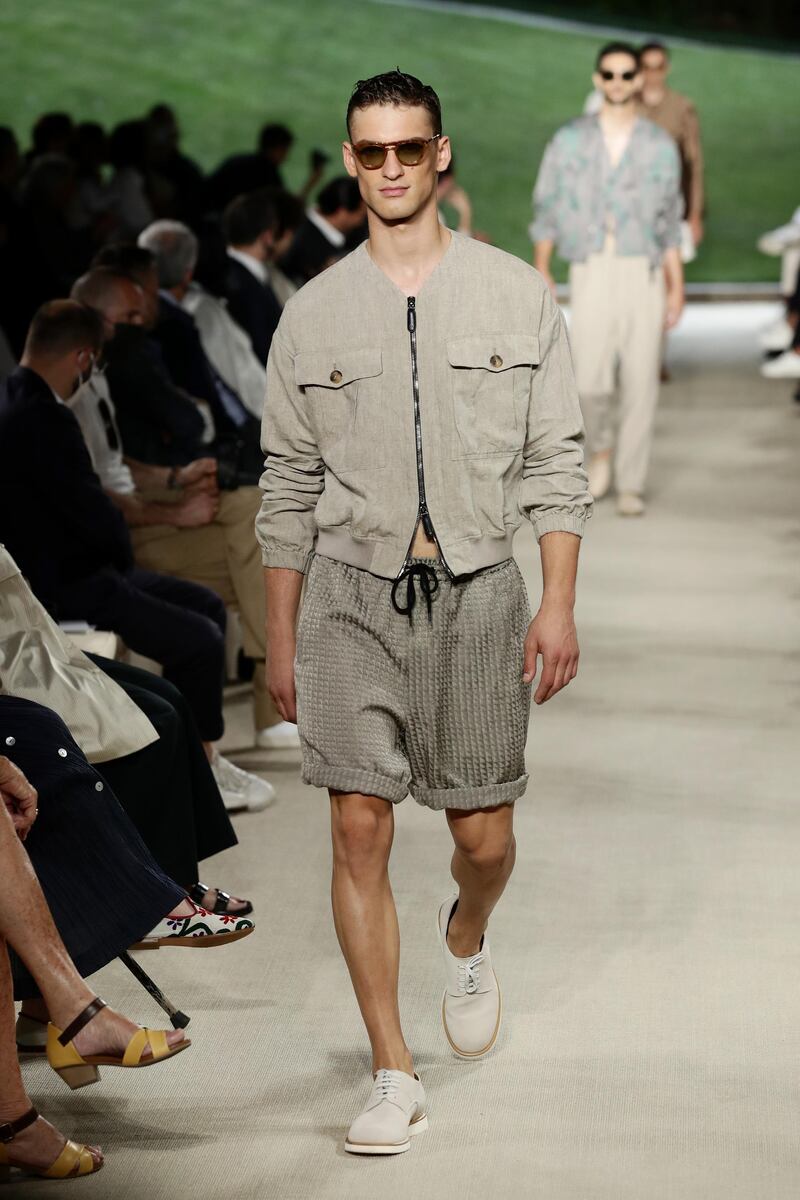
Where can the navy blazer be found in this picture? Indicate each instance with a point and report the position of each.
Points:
(55, 518)
(252, 305)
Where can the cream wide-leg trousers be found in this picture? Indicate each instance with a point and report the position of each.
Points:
(617, 319)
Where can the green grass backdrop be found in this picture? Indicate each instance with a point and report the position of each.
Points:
(229, 66)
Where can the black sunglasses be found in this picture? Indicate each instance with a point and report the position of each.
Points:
(372, 155)
(626, 75)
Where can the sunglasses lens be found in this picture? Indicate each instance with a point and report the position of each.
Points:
(628, 76)
(371, 157)
(410, 153)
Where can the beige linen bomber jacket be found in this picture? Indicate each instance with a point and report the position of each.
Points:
(477, 408)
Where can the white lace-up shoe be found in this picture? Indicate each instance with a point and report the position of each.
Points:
(785, 366)
(395, 1112)
(240, 789)
(283, 736)
(471, 1006)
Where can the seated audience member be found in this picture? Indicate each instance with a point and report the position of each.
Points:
(179, 180)
(322, 238)
(95, 197)
(51, 134)
(203, 535)
(224, 342)
(30, 1143)
(250, 225)
(127, 152)
(160, 423)
(135, 727)
(174, 248)
(243, 173)
(86, 571)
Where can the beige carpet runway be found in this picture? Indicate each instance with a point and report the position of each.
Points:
(647, 945)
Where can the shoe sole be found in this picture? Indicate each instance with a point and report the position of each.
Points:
(456, 1049)
(417, 1126)
(204, 942)
(474, 1053)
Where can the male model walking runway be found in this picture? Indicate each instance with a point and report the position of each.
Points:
(420, 402)
(608, 194)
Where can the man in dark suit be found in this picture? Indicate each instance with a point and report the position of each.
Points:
(251, 229)
(70, 540)
(324, 235)
(242, 173)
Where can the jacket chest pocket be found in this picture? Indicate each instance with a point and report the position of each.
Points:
(491, 382)
(343, 393)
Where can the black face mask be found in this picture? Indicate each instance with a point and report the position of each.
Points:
(126, 339)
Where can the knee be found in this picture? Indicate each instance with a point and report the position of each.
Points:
(490, 855)
(362, 835)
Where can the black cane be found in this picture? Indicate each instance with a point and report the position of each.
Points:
(179, 1019)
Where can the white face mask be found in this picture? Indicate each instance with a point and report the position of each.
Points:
(84, 376)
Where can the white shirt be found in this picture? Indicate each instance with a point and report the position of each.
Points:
(115, 474)
(334, 236)
(256, 268)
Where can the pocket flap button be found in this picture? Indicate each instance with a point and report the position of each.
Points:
(496, 360)
(336, 376)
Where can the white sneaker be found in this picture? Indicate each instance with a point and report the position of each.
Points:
(394, 1113)
(785, 237)
(240, 789)
(785, 366)
(777, 336)
(283, 736)
(599, 472)
(629, 504)
(471, 1005)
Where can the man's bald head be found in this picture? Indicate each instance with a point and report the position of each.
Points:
(117, 297)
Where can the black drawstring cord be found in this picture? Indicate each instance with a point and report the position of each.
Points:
(429, 585)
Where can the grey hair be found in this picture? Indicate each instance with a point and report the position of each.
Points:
(175, 249)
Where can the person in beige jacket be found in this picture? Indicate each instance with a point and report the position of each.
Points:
(420, 405)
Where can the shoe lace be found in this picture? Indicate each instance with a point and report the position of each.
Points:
(469, 974)
(386, 1085)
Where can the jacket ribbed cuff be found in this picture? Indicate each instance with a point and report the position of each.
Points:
(290, 560)
(559, 522)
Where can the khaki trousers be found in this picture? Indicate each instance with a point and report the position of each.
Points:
(618, 320)
(225, 557)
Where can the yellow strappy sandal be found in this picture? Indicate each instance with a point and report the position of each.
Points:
(74, 1160)
(79, 1072)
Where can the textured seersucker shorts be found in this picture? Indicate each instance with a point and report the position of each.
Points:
(388, 706)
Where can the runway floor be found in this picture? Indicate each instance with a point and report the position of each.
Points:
(647, 945)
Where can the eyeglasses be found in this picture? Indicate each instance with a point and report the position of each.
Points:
(410, 152)
(626, 75)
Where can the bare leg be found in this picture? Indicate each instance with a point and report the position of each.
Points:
(366, 920)
(40, 1144)
(483, 860)
(26, 924)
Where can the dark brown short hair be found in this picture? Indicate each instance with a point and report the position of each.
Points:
(60, 326)
(395, 87)
(616, 48)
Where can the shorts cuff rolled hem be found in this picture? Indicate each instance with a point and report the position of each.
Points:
(352, 779)
(488, 796)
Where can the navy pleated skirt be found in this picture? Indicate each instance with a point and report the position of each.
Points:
(102, 885)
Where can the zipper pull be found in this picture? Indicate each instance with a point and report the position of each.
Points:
(412, 314)
(427, 524)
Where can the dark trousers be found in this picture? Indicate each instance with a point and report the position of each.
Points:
(167, 788)
(179, 624)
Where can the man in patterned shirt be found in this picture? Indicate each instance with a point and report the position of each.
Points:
(608, 197)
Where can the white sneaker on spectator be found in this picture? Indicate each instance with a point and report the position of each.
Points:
(778, 241)
(283, 736)
(240, 789)
(785, 366)
(394, 1113)
(777, 336)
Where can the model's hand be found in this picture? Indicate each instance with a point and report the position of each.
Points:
(280, 675)
(197, 510)
(696, 226)
(199, 476)
(552, 634)
(19, 797)
(674, 308)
